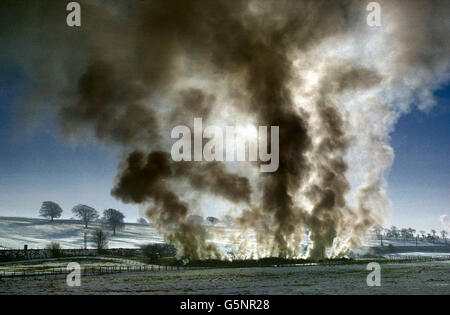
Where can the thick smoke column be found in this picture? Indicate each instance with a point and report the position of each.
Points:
(144, 179)
(333, 85)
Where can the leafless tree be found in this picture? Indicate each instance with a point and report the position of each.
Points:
(100, 240)
(404, 234)
(85, 214)
(434, 235)
(50, 209)
(394, 232)
(444, 234)
(54, 248)
(411, 233)
(423, 233)
(114, 219)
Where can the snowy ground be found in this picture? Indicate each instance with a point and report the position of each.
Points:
(38, 265)
(417, 254)
(396, 278)
(408, 278)
(372, 242)
(36, 233)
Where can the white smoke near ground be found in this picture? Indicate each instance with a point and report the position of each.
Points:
(334, 85)
(445, 221)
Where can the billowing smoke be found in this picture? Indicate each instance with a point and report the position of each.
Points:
(445, 221)
(144, 179)
(334, 85)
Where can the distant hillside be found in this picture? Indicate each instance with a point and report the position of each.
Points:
(15, 232)
(36, 233)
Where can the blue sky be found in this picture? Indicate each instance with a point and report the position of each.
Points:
(419, 181)
(36, 166)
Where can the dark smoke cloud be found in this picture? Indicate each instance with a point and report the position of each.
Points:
(192, 103)
(134, 69)
(214, 178)
(111, 105)
(144, 179)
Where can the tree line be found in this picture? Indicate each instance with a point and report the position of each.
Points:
(410, 234)
(111, 217)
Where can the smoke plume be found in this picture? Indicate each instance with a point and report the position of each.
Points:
(445, 221)
(334, 85)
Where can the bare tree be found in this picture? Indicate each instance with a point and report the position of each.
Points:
(444, 234)
(423, 233)
(54, 248)
(100, 240)
(404, 234)
(85, 214)
(394, 232)
(411, 232)
(434, 235)
(376, 229)
(50, 209)
(114, 219)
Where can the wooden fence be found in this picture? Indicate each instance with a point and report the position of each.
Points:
(97, 270)
(418, 258)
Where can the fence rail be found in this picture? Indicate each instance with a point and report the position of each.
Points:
(98, 270)
(418, 258)
(91, 270)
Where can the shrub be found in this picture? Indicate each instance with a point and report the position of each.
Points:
(100, 240)
(55, 249)
(156, 251)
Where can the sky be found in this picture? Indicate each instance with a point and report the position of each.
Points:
(35, 165)
(419, 180)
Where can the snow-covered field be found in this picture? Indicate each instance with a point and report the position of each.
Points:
(396, 278)
(37, 233)
(15, 232)
(417, 254)
(38, 265)
(372, 242)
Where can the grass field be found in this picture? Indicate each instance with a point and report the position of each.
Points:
(396, 278)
